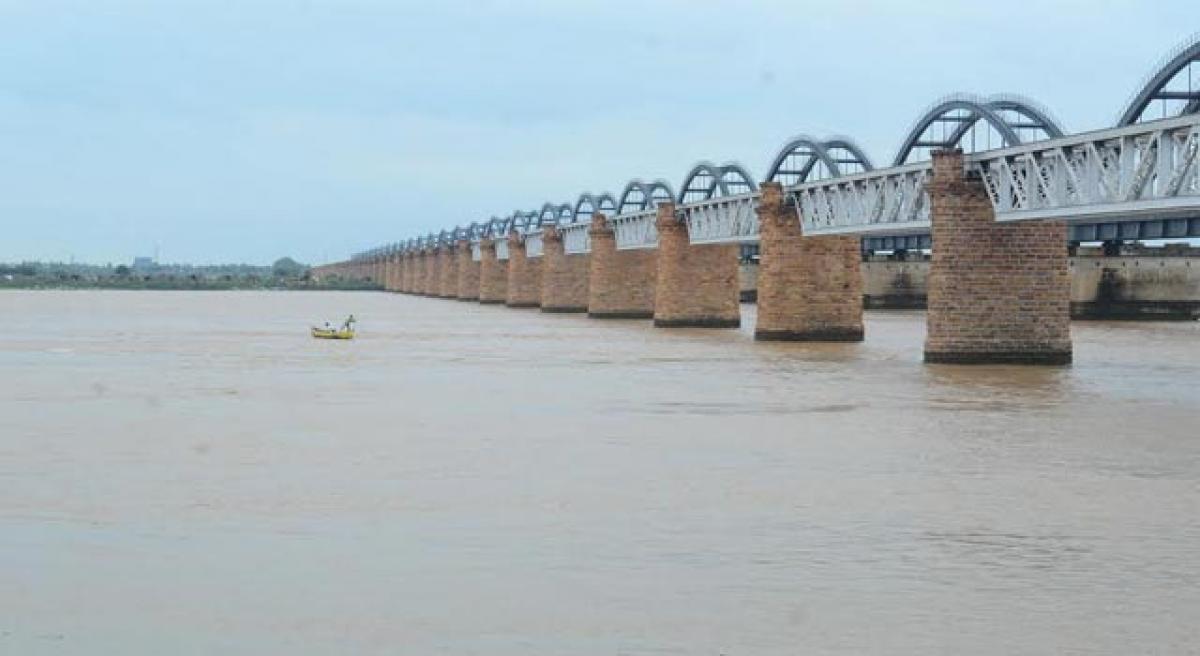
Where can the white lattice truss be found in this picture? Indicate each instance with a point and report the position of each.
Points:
(533, 244)
(722, 220)
(575, 238)
(891, 200)
(501, 248)
(1143, 171)
(1146, 171)
(636, 230)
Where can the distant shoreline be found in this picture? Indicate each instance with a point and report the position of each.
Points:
(204, 286)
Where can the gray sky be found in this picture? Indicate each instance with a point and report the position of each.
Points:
(243, 130)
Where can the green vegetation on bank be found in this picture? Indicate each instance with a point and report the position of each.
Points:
(285, 273)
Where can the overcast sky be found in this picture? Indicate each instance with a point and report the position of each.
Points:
(244, 130)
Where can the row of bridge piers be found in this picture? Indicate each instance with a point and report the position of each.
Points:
(997, 292)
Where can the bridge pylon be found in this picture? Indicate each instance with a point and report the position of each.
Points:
(524, 275)
(620, 283)
(998, 292)
(564, 277)
(809, 288)
(697, 284)
(467, 282)
(493, 274)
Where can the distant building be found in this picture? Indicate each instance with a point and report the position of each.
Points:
(143, 264)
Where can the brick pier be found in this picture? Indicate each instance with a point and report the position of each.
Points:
(448, 271)
(467, 283)
(809, 288)
(697, 284)
(564, 277)
(998, 292)
(620, 283)
(493, 274)
(433, 275)
(524, 276)
(407, 277)
(393, 272)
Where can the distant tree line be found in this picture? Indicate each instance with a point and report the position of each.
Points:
(284, 273)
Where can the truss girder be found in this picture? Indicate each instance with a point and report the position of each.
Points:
(575, 238)
(890, 200)
(635, 230)
(1148, 170)
(727, 220)
(533, 244)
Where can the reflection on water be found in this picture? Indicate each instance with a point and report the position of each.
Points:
(192, 468)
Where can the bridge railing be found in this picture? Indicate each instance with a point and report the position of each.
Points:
(575, 238)
(635, 230)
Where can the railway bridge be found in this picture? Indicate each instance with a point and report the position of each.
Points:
(995, 186)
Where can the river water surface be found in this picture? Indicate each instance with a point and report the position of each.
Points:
(190, 473)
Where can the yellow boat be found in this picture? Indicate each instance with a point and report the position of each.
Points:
(329, 332)
(333, 333)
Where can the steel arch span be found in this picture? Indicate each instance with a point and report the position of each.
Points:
(804, 158)
(552, 214)
(707, 180)
(640, 196)
(588, 204)
(496, 228)
(1017, 120)
(1173, 86)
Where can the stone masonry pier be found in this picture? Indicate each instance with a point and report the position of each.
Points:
(621, 283)
(467, 282)
(998, 292)
(809, 288)
(564, 277)
(697, 284)
(524, 276)
(493, 274)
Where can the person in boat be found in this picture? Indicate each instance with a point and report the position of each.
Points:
(349, 324)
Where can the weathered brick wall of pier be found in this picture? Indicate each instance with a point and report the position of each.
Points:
(564, 277)
(621, 284)
(809, 288)
(524, 276)
(998, 292)
(696, 285)
(493, 274)
(467, 284)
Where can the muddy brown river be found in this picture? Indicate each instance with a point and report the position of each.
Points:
(191, 473)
